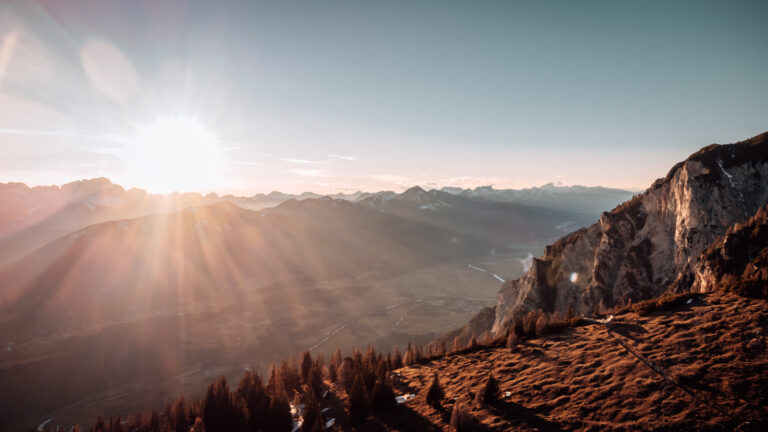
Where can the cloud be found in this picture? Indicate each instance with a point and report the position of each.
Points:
(342, 157)
(306, 161)
(311, 173)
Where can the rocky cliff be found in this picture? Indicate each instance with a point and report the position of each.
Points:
(738, 261)
(649, 244)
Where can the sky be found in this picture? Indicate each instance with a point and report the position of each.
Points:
(335, 96)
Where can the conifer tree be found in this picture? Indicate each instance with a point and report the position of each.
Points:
(311, 411)
(358, 404)
(279, 418)
(315, 380)
(382, 397)
(435, 393)
(251, 391)
(180, 416)
(306, 365)
(456, 347)
(490, 390)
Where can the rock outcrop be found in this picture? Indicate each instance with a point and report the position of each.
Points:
(738, 261)
(649, 244)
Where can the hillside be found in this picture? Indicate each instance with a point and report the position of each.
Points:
(710, 355)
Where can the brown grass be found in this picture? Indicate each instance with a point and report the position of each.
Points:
(712, 354)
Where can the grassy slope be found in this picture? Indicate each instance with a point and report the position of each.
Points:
(712, 354)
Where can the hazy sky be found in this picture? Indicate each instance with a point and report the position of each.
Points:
(251, 96)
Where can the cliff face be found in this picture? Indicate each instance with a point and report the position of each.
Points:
(649, 244)
(738, 261)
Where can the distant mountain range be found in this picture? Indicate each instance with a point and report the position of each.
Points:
(32, 216)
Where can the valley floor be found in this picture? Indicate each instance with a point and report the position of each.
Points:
(707, 369)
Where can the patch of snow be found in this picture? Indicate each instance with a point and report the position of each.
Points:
(690, 300)
(330, 422)
(428, 207)
(324, 409)
(77, 235)
(89, 205)
(296, 425)
(574, 277)
(123, 225)
(600, 321)
(730, 178)
(404, 398)
(507, 394)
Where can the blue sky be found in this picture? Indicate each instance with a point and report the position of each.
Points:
(339, 95)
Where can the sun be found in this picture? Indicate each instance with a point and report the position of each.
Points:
(173, 154)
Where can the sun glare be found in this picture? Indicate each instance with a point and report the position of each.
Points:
(173, 154)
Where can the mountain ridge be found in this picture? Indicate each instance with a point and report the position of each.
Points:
(642, 247)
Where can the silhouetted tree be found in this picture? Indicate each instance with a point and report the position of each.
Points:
(251, 391)
(315, 380)
(435, 393)
(311, 411)
(220, 413)
(456, 346)
(180, 416)
(279, 418)
(472, 344)
(306, 365)
(397, 360)
(332, 375)
(348, 374)
(461, 419)
(358, 404)
(490, 390)
(383, 397)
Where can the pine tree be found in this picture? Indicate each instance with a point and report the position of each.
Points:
(472, 344)
(180, 416)
(348, 374)
(251, 391)
(456, 347)
(315, 380)
(397, 360)
(461, 419)
(383, 397)
(311, 411)
(279, 418)
(435, 393)
(220, 413)
(332, 375)
(358, 404)
(490, 391)
(306, 365)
